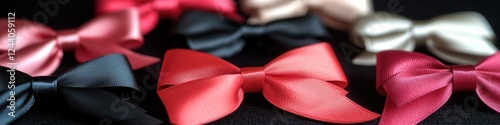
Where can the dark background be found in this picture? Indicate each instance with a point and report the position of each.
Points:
(462, 108)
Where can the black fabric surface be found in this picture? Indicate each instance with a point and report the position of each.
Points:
(462, 108)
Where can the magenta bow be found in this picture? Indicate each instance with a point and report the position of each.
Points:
(151, 10)
(416, 85)
(39, 49)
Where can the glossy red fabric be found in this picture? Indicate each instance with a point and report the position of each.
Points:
(39, 49)
(198, 88)
(416, 85)
(152, 10)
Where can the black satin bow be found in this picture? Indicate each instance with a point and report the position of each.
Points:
(209, 32)
(91, 88)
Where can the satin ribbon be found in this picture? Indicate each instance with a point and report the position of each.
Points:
(306, 81)
(461, 38)
(94, 93)
(338, 14)
(152, 10)
(208, 32)
(416, 85)
(39, 49)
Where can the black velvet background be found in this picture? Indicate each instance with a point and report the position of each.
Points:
(462, 108)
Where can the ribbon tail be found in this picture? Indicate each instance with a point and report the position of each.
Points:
(315, 99)
(365, 59)
(136, 60)
(415, 111)
(487, 86)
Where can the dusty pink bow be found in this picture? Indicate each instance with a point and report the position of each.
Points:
(39, 49)
(338, 14)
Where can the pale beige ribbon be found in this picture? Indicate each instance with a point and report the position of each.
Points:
(460, 38)
(338, 14)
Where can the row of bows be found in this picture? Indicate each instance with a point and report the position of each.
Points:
(307, 81)
(462, 38)
(197, 93)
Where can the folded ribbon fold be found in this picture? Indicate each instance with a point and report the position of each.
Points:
(416, 85)
(93, 93)
(40, 49)
(339, 14)
(462, 38)
(225, 38)
(306, 81)
(152, 10)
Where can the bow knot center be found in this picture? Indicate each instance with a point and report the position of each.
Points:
(44, 87)
(253, 79)
(253, 31)
(68, 40)
(464, 77)
(420, 31)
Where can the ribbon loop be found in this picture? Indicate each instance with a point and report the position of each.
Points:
(464, 77)
(44, 87)
(253, 79)
(68, 40)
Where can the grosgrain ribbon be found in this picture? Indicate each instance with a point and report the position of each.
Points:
(461, 38)
(210, 33)
(152, 10)
(93, 93)
(417, 85)
(338, 14)
(39, 49)
(306, 81)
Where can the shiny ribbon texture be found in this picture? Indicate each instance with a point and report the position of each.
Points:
(91, 88)
(416, 85)
(152, 10)
(39, 49)
(461, 38)
(210, 33)
(198, 88)
(338, 14)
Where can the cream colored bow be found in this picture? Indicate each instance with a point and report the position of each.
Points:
(461, 38)
(338, 14)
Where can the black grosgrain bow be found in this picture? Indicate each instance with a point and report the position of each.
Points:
(209, 32)
(91, 88)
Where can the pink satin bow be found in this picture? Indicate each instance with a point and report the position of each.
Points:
(197, 88)
(416, 85)
(151, 10)
(338, 14)
(39, 49)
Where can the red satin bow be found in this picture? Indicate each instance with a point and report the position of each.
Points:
(39, 49)
(151, 10)
(416, 85)
(198, 88)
